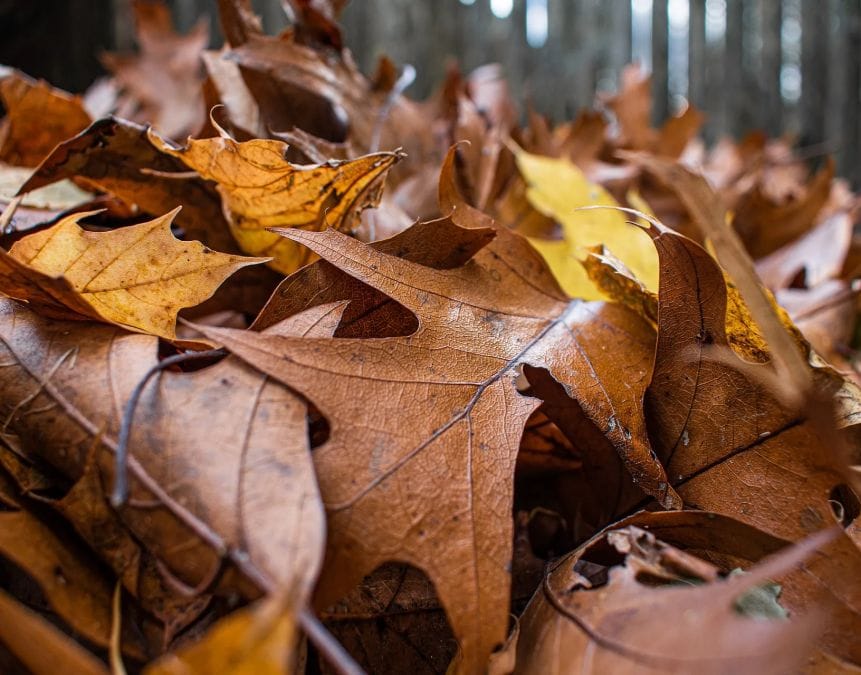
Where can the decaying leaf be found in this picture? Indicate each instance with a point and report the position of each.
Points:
(138, 276)
(262, 190)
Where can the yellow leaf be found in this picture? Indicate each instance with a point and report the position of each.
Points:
(255, 640)
(138, 277)
(557, 188)
(261, 190)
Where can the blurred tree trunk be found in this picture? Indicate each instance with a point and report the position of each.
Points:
(733, 63)
(660, 63)
(771, 113)
(697, 54)
(814, 71)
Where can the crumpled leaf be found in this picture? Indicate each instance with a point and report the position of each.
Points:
(114, 156)
(261, 190)
(597, 616)
(557, 188)
(256, 640)
(38, 117)
(432, 394)
(138, 276)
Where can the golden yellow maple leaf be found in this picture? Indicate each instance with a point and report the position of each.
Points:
(138, 277)
(557, 188)
(260, 189)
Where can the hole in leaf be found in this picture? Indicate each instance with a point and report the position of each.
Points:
(318, 427)
(393, 616)
(844, 504)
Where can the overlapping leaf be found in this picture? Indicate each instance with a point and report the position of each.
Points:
(262, 190)
(220, 470)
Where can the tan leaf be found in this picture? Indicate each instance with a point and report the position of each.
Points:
(138, 276)
(731, 446)
(162, 83)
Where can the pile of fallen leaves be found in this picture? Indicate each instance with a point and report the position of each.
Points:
(571, 398)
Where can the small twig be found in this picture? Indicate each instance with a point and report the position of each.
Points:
(9, 213)
(121, 485)
(329, 648)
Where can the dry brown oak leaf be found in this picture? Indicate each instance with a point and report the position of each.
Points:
(38, 117)
(425, 428)
(138, 276)
(596, 613)
(219, 467)
(731, 447)
(260, 189)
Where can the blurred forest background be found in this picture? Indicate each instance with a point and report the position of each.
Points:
(783, 66)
